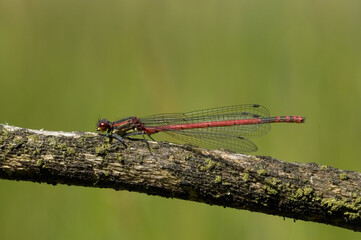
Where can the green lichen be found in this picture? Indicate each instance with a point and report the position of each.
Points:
(343, 176)
(60, 146)
(4, 135)
(33, 138)
(81, 140)
(51, 141)
(245, 177)
(298, 194)
(70, 150)
(270, 190)
(272, 185)
(209, 165)
(272, 181)
(19, 140)
(2, 138)
(36, 151)
(317, 197)
(332, 204)
(352, 215)
(102, 149)
(323, 167)
(119, 157)
(218, 179)
(307, 191)
(303, 194)
(64, 148)
(261, 171)
(39, 162)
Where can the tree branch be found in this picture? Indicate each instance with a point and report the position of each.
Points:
(309, 192)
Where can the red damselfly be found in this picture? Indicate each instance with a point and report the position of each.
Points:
(225, 127)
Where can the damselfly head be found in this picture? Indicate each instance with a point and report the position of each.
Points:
(103, 125)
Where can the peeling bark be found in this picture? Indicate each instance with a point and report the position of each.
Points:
(309, 192)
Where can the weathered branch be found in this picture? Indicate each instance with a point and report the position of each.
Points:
(310, 192)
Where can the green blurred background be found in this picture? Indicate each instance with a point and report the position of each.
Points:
(64, 64)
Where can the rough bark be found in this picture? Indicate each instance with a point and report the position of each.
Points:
(309, 192)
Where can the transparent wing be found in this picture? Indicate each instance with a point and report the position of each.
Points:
(215, 140)
(246, 111)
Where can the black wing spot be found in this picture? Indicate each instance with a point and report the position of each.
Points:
(244, 113)
(256, 105)
(255, 115)
(241, 137)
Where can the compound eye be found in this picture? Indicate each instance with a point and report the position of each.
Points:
(102, 125)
